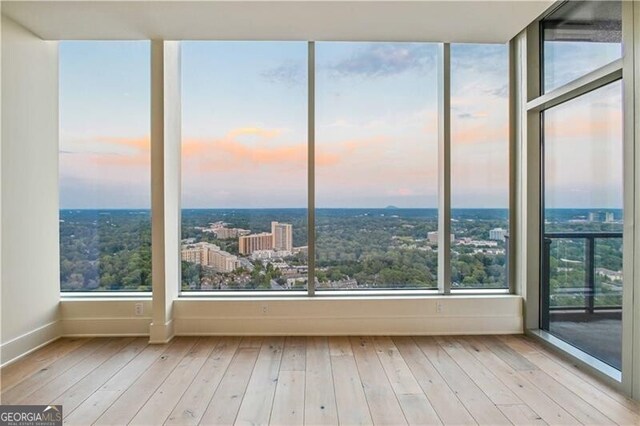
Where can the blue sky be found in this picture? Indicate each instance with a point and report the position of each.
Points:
(245, 124)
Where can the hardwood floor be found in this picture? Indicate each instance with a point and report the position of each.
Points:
(489, 380)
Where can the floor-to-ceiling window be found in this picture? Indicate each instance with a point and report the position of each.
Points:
(582, 194)
(374, 177)
(479, 166)
(104, 160)
(244, 166)
(377, 174)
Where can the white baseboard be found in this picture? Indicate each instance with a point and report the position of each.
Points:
(23, 345)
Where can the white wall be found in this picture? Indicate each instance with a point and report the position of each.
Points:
(397, 315)
(29, 190)
(326, 315)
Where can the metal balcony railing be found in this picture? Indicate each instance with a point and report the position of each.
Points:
(588, 291)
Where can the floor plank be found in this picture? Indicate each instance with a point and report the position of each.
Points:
(445, 402)
(127, 405)
(258, 399)
(508, 355)
(78, 393)
(540, 403)
(414, 403)
(294, 355)
(23, 368)
(477, 402)
(195, 400)
(521, 415)
(320, 398)
(49, 392)
(351, 401)
(50, 372)
(288, 403)
(93, 407)
(585, 413)
(383, 403)
(497, 392)
(157, 408)
(224, 406)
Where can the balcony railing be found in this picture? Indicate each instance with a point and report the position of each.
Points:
(587, 290)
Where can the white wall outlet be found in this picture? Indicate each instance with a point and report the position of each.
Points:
(139, 309)
(439, 307)
(264, 308)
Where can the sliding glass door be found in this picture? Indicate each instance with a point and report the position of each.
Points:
(581, 274)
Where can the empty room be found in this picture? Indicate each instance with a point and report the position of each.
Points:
(319, 212)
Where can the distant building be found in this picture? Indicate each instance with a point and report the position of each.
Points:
(269, 254)
(301, 249)
(247, 244)
(227, 233)
(432, 237)
(282, 236)
(608, 217)
(612, 275)
(223, 261)
(207, 254)
(497, 234)
(195, 253)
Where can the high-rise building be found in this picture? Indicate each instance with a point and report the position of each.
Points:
(497, 234)
(195, 253)
(226, 233)
(247, 244)
(223, 261)
(282, 236)
(207, 254)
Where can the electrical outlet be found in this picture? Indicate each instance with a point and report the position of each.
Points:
(264, 309)
(439, 307)
(139, 309)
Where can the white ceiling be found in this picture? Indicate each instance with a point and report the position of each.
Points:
(449, 21)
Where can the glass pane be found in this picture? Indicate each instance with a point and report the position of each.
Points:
(479, 165)
(580, 37)
(583, 222)
(244, 166)
(105, 228)
(376, 165)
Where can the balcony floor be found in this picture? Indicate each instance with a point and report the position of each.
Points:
(597, 336)
(313, 380)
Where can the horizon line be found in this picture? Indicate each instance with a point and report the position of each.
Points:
(329, 208)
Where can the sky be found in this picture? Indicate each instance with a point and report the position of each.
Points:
(244, 125)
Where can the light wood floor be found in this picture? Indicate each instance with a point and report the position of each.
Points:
(313, 380)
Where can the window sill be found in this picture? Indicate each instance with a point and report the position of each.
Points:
(321, 294)
(106, 295)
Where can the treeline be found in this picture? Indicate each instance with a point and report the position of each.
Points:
(111, 250)
(105, 250)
